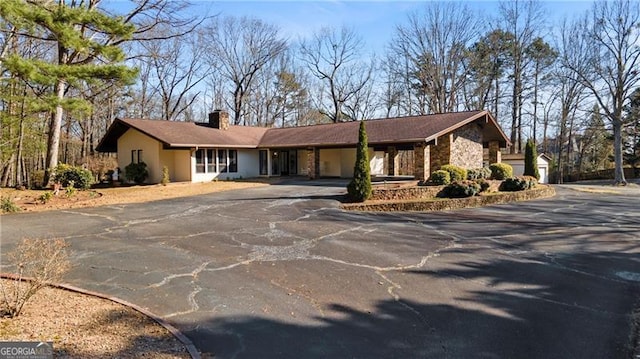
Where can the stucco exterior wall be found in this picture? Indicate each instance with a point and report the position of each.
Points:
(339, 162)
(466, 146)
(181, 169)
(136, 140)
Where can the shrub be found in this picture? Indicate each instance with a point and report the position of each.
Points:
(531, 160)
(359, 189)
(136, 172)
(70, 190)
(73, 176)
(43, 261)
(37, 179)
(440, 178)
(500, 171)
(532, 181)
(165, 176)
(514, 184)
(460, 189)
(45, 197)
(483, 183)
(8, 205)
(456, 173)
(478, 173)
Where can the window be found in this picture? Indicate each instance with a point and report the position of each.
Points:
(211, 161)
(222, 160)
(206, 161)
(200, 159)
(264, 163)
(136, 156)
(233, 161)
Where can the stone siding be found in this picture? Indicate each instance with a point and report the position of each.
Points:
(441, 152)
(466, 147)
(313, 163)
(422, 161)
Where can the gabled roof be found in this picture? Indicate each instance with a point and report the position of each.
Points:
(183, 134)
(400, 130)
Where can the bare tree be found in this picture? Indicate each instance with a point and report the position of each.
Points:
(238, 49)
(177, 67)
(333, 56)
(487, 62)
(434, 43)
(543, 56)
(523, 20)
(612, 31)
(571, 91)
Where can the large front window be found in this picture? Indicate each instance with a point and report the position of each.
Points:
(216, 161)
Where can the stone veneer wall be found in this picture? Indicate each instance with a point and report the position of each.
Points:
(313, 163)
(466, 147)
(441, 152)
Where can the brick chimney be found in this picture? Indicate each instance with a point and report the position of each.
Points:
(219, 119)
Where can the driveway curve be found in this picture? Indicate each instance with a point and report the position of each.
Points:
(283, 272)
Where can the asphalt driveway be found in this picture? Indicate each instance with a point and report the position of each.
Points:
(282, 272)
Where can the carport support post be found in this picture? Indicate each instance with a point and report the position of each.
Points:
(313, 162)
(495, 156)
(393, 164)
(422, 163)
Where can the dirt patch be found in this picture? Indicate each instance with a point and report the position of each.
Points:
(31, 200)
(82, 326)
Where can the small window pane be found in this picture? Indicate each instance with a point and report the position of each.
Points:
(222, 160)
(233, 161)
(211, 161)
(264, 164)
(200, 161)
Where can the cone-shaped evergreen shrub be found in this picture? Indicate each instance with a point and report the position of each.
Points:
(531, 160)
(359, 189)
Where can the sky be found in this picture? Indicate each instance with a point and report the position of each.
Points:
(375, 21)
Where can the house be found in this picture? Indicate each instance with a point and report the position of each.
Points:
(517, 162)
(200, 152)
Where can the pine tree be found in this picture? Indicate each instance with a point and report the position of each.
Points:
(531, 160)
(359, 189)
(83, 38)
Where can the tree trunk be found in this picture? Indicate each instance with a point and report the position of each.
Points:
(617, 152)
(55, 128)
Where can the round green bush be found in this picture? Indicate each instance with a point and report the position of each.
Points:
(440, 178)
(136, 172)
(514, 184)
(460, 189)
(478, 173)
(456, 173)
(501, 171)
(74, 176)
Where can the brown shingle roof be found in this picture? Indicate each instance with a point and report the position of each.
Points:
(381, 131)
(184, 134)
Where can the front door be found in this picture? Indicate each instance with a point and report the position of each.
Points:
(284, 163)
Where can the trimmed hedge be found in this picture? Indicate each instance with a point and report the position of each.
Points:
(478, 173)
(460, 189)
(515, 184)
(439, 178)
(501, 171)
(455, 172)
(75, 176)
